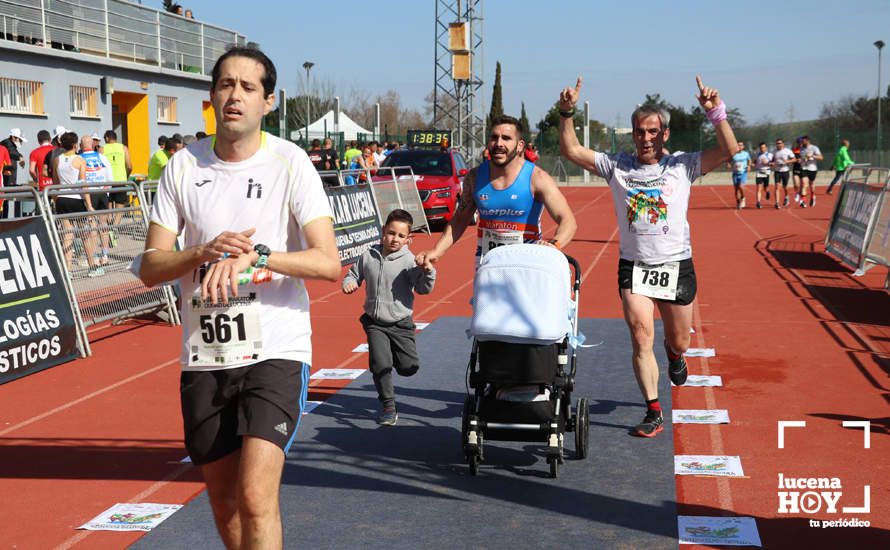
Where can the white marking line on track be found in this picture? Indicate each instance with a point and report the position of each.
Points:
(724, 489)
(96, 393)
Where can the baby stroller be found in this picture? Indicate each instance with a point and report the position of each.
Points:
(522, 368)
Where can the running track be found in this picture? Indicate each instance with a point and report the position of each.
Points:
(797, 338)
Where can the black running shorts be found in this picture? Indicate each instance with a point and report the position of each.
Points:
(68, 205)
(263, 400)
(120, 198)
(99, 201)
(810, 175)
(686, 284)
(782, 177)
(763, 180)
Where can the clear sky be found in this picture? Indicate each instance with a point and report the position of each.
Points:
(773, 59)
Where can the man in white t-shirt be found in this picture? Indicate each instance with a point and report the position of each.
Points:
(809, 154)
(783, 160)
(762, 170)
(651, 194)
(254, 221)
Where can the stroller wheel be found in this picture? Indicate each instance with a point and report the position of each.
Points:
(465, 420)
(582, 427)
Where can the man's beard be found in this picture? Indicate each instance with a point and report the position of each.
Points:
(510, 157)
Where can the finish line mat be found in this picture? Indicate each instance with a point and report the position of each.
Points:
(350, 484)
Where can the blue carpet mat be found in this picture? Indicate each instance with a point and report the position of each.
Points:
(350, 484)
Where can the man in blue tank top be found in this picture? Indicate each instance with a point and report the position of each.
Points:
(510, 194)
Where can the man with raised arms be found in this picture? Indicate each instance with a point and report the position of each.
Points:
(651, 194)
(255, 222)
(509, 194)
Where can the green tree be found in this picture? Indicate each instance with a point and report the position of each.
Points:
(523, 121)
(497, 100)
(548, 131)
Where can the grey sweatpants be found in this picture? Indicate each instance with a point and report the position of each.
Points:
(390, 346)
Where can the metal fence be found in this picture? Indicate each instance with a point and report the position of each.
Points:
(96, 248)
(390, 191)
(399, 191)
(117, 29)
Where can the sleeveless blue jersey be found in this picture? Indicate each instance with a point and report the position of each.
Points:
(506, 216)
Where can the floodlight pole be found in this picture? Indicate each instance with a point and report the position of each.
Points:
(879, 45)
(307, 65)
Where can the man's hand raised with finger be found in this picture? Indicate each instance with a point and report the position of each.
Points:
(708, 98)
(568, 97)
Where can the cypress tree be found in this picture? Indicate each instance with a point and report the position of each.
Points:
(497, 100)
(523, 120)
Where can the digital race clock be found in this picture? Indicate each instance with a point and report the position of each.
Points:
(429, 138)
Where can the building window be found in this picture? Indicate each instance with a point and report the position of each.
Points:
(166, 109)
(21, 96)
(82, 101)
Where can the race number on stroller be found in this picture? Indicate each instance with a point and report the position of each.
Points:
(656, 281)
(221, 335)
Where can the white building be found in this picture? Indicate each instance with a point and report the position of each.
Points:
(95, 65)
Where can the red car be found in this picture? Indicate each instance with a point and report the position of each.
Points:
(439, 176)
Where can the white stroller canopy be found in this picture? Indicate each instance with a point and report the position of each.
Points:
(522, 294)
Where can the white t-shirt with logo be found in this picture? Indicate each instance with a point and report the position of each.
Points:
(807, 157)
(762, 164)
(651, 201)
(782, 157)
(277, 191)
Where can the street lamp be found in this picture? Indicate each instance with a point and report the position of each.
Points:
(879, 45)
(307, 65)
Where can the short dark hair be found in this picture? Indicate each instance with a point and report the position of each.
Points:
(110, 134)
(42, 136)
(762, 143)
(269, 78)
(68, 140)
(316, 142)
(162, 140)
(507, 119)
(200, 135)
(172, 143)
(399, 215)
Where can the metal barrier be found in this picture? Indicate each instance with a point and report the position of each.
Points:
(858, 233)
(97, 247)
(147, 190)
(25, 193)
(396, 191)
(400, 192)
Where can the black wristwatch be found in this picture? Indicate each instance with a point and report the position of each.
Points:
(264, 252)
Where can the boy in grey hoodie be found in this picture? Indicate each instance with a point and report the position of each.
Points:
(392, 278)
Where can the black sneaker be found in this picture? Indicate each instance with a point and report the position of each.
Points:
(676, 368)
(651, 425)
(388, 417)
(767, 194)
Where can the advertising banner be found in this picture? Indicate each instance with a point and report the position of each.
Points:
(356, 224)
(37, 326)
(848, 230)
